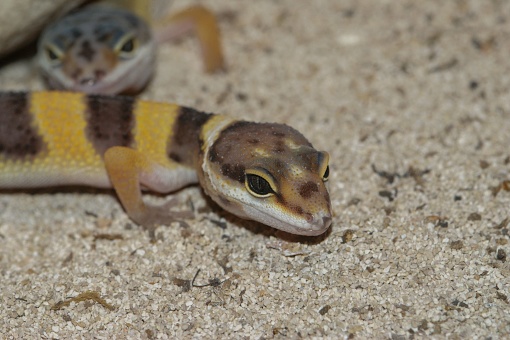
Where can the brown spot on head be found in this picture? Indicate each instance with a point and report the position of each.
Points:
(110, 121)
(19, 138)
(279, 146)
(233, 171)
(72, 70)
(86, 51)
(307, 189)
(103, 36)
(308, 217)
(278, 134)
(326, 196)
(236, 145)
(99, 74)
(278, 164)
(86, 72)
(75, 33)
(297, 209)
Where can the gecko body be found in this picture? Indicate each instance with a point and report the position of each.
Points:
(266, 172)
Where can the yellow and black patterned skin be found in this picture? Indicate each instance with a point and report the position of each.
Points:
(262, 171)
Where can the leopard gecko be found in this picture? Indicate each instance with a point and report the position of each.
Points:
(266, 172)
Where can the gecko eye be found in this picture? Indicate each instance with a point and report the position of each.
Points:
(126, 47)
(53, 54)
(324, 165)
(326, 174)
(258, 186)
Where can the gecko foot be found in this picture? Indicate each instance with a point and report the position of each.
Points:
(153, 216)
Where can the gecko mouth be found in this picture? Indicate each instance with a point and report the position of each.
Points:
(316, 226)
(130, 77)
(117, 82)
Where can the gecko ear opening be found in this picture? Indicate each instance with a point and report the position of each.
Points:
(259, 183)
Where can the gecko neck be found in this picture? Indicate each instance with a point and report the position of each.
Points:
(185, 143)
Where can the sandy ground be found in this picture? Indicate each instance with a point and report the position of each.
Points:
(412, 101)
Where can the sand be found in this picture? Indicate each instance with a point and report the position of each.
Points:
(412, 101)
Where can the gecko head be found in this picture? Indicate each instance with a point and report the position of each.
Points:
(269, 173)
(98, 49)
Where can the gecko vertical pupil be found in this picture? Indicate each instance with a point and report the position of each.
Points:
(128, 46)
(326, 174)
(258, 185)
(51, 55)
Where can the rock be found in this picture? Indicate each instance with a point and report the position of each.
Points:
(22, 20)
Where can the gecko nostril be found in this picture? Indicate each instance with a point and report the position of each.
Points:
(99, 74)
(308, 217)
(326, 220)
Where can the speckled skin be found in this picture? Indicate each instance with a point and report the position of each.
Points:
(97, 49)
(65, 138)
(105, 49)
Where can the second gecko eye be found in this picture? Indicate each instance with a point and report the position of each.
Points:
(258, 186)
(127, 46)
(52, 54)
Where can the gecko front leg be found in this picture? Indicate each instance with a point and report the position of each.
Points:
(203, 24)
(130, 171)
